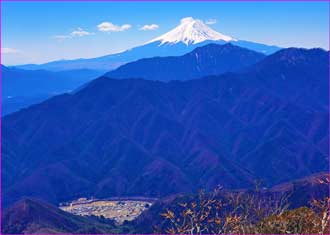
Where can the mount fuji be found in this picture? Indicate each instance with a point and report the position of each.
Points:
(188, 35)
(191, 31)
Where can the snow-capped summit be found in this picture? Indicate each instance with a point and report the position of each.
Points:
(191, 31)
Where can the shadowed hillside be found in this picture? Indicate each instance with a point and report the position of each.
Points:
(35, 216)
(138, 137)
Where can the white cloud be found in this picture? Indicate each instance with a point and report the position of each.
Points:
(110, 27)
(211, 21)
(62, 37)
(125, 27)
(7, 50)
(149, 27)
(79, 32)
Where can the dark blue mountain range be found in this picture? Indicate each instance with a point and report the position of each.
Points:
(118, 137)
(212, 59)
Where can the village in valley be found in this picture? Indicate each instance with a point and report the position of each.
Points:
(119, 210)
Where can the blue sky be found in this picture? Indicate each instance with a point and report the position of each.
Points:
(38, 32)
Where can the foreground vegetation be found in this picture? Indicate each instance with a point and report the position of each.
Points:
(242, 213)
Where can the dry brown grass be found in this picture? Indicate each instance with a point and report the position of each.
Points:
(241, 213)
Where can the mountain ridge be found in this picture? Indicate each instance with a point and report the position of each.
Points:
(141, 137)
(211, 59)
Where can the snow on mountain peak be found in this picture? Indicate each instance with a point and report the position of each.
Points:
(191, 31)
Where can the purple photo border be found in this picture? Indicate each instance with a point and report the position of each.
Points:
(145, 1)
(1, 117)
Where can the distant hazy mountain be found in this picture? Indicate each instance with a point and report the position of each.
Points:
(20, 88)
(13, 104)
(32, 216)
(118, 137)
(212, 59)
(20, 82)
(188, 35)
